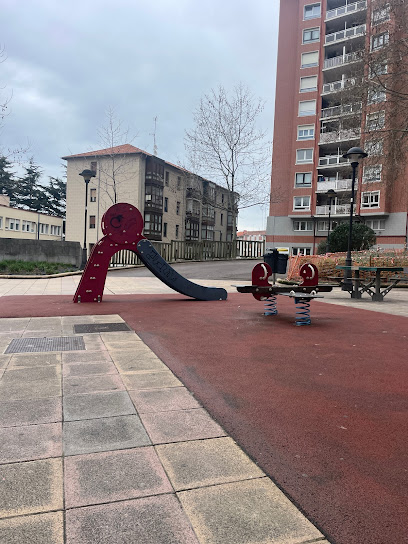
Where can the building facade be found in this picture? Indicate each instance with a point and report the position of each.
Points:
(175, 204)
(25, 224)
(330, 96)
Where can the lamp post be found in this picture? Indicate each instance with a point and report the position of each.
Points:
(330, 194)
(355, 154)
(87, 175)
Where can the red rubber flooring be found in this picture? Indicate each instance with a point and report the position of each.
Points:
(322, 409)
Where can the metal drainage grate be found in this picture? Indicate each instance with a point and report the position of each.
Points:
(57, 343)
(100, 327)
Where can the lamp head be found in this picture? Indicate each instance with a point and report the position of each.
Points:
(355, 154)
(87, 175)
(330, 193)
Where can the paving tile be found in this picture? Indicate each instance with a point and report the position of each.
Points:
(28, 488)
(113, 433)
(38, 529)
(179, 426)
(150, 380)
(4, 360)
(251, 511)
(30, 442)
(43, 323)
(97, 405)
(206, 462)
(119, 336)
(123, 345)
(43, 333)
(151, 520)
(5, 340)
(35, 359)
(30, 411)
(135, 362)
(85, 357)
(92, 384)
(93, 342)
(163, 400)
(89, 369)
(112, 318)
(29, 390)
(16, 324)
(19, 375)
(112, 476)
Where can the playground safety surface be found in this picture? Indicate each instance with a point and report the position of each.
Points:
(322, 409)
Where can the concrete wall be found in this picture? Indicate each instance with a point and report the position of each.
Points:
(40, 250)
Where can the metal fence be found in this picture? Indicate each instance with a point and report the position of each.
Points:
(178, 250)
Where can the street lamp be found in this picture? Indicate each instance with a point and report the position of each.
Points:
(330, 194)
(87, 175)
(354, 155)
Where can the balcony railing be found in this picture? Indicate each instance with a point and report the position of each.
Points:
(337, 209)
(332, 160)
(343, 59)
(340, 135)
(337, 111)
(336, 86)
(335, 184)
(343, 10)
(345, 34)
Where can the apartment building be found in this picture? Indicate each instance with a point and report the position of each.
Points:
(175, 204)
(26, 224)
(327, 101)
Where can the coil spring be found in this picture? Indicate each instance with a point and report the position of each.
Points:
(270, 305)
(303, 315)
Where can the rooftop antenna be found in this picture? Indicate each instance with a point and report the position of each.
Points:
(154, 136)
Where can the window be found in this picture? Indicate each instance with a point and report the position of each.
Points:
(12, 224)
(222, 198)
(307, 107)
(43, 228)
(177, 231)
(376, 224)
(27, 226)
(153, 196)
(372, 173)
(93, 195)
(303, 225)
(178, 182)
(222, 219)
(311, 35)
(92, 222)
(375, 121)
(375, 96)
(303, 179)
(207, 232)
(152, 223)
(370, 199)
(306, 132)
(178, 208)
(165, 230)
(301, 203)
(310, 59)
(166, 204)
(379, 40)
(93, 166)
(304, 156)
(374, 148)
(308, 84)
(192, 230)
(301, 251)
(1, 222)
(312, 11)
(56, 230)
(382, 14)
(167, 177)
(378, 69)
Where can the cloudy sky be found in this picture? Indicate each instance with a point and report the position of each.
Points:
(69, 60)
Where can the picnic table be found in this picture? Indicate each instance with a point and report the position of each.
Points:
(372, 286)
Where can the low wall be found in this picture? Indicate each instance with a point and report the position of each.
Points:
(40, 250)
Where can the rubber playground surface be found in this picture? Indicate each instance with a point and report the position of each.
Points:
(321, 409)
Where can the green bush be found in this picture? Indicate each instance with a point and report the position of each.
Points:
(362, 238)
(35, 268)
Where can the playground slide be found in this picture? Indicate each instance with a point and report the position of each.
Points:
(161, 269)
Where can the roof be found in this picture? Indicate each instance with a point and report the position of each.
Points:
(125, 149)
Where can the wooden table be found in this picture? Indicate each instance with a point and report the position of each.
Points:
(373, 285)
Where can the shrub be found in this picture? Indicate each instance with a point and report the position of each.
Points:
(362, 238)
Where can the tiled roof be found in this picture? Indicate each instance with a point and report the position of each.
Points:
(125, 149)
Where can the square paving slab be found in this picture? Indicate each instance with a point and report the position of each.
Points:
(38, 529)
(112, 476)
(29, 390)
(150, 380)
(163, 400)
(86, 357)
(92, 384)
(97, 405)
(86, 328)
(135, 362)
(72, 370)
(113, 433)
(35, 359)
(19, 375)
(152, 520)
(30, 411)
(30, 442)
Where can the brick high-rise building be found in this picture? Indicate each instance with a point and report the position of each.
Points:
(332, 59)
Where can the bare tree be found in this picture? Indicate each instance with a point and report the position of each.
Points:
(226, 146)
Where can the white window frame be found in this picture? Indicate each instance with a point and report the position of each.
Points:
(312, 31)
(371, 223)
(307, 226)
(306, 151)
(372, 173)
(374, 149)
(305, 132)
(304, 205)
(381, 69)
(1, 222)
(378, 41)
(371, 117)
(307, 89)
(383, 15)
(307, 113)
(309, 65)
(301, 251)
(376, 95)
(370, 199)
(313, 15)
(298, 185)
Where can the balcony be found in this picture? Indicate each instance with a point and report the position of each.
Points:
(338, 111)
(336, 185)
(341, 60)
(344, 10)
(346, 34)
(337, 209)
(340, 135)
(330, 161)
(336, 86)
